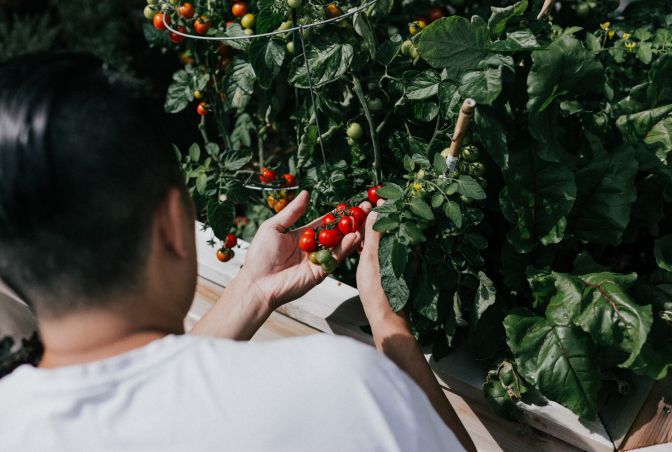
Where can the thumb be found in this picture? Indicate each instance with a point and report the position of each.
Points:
(371, 236)
(291, 213)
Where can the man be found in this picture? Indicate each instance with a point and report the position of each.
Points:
(97, 234)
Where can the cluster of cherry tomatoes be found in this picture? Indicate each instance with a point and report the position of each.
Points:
(278, 199)
(226, 253)
(421, 22)
(336, 224)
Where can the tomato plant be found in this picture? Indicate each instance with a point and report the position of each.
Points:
(548, 252)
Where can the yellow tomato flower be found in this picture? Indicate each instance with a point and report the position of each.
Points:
(605, 26)
(626, 36)
(611, 34)
(417, 186)
(630, 45)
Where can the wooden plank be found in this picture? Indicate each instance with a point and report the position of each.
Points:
(653, 425)
(333, 307)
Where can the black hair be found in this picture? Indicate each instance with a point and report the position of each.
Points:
(84, 162)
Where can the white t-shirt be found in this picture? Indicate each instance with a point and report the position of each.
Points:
(186, 393)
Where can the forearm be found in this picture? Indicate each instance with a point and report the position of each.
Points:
(392, 336)
(238, 313)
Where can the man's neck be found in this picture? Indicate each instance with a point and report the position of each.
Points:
(94, 335)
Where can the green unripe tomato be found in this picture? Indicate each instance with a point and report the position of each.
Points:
(285, 25)
(465, 200)
(248, 20)
(414, 53)
(355, 131)
(312, 257)
(470, 153)
(329, 266)
(420, 174)
(406, 47)
(445, 153)
(477, 169)
(249, 31)
(290, 47)
(351, 141)
(375, 104)
(153, 2)
(150, 11)
(323, 256)
(583, 9)
(294, 3)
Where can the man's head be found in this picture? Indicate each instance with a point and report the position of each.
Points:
(92, 205)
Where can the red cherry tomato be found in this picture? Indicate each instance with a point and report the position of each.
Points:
(267, 175)
(224, 254)
(342, 207)
(158, 21)
(186, 10)
(307, 242)
(373, 195)
(239, 9)
(347, 224)
(329, 238)
(202, 108)
(422, 19)
(202, 25)
(309, 233)
(333, 11)
(175, 37)
(358, 214)
(435, 14)
(328, 219)
(230, 241)
(290, 180)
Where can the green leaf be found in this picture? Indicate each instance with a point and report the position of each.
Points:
(663, 252)
(421, 209)
(360, 23)
(425, 297)
(493, 134)
(469, 187)
(486, 296)
(560, 361)
(453, 43)
(195, 152)
(413, 232)
(420, 85)
(390, 191)
(605, 193)
(536, 200)
(240, 135)
(565, 69)
(328, 62)
(266, 57)
(440, 164)
(482, 86)
(502, 398)
(239, 83)
(453, 212)
(516, 41)
(425, 111)
(181, 90)
(542, 285)
(235, 160)
(395, 287)
(201, 183)
(389, 50)
(501, 16)
(220, 217)
(386, 223)
(399, 256)
(437, 200)
(271, 15)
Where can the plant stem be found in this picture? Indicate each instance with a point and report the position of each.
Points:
(357, 88)
(201, 128)
(435, 134)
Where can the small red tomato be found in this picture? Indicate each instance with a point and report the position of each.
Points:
(328, 219)
(281, 204)
(267, 175)
(175, 37)
(224, 254)
(309, 233)
(358, 214)
(422, 19)
(373, 196)
(329, 238)
(290, 180)
(186, 10)
(230, 241)
(307, 243)
(333, 11)
(202, 108)
(239, 9)
(347, 224)
(202, 25)
(158, 21)
(435, 14)
(342, 207)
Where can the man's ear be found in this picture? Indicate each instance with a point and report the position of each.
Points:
(175, 222)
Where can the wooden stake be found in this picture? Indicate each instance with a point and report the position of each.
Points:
(463, 121)
(548, 4)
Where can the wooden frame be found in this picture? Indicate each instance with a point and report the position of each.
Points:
(334, 307)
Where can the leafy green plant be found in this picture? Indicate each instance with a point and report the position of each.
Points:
(548, 251)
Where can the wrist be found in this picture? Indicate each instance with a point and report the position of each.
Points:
(244, 289)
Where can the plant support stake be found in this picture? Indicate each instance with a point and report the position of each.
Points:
(463, 121)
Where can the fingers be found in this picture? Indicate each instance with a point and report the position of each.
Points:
(291, 213)
(372, 237)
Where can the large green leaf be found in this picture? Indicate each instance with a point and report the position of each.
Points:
(482, 86)
(395, 285)
(220, 217)
(239, 83)
(493, 134)
(560, 361)
(389, 49)
(599, 304)
(180, 92)
(271, 14)
(501, 16)
(486, 296)
(453, 43)
(605, 194)
(266, 57)
(328, 62)
(565, 69)
(360, 23)
(420, 84)
(536, 200)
